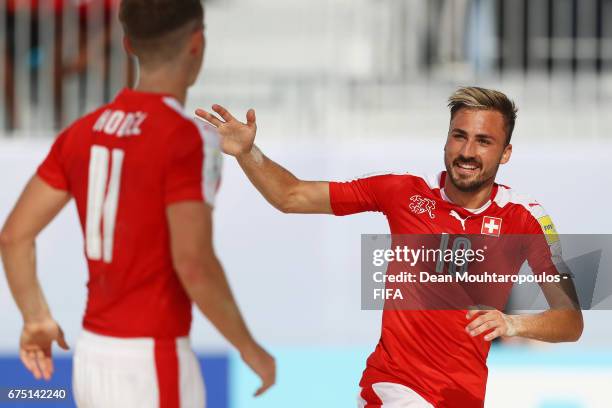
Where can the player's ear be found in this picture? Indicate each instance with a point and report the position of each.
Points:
(506, 154)
(196, 42)
(127, 45)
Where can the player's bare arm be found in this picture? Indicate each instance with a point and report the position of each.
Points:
(553, 326)
(204, 281)
(38, 205)
(280, 187)
(561, 323)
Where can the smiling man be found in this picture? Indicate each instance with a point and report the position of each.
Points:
(429, 358)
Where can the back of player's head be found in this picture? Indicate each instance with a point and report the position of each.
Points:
(474, 97)
(155, 29)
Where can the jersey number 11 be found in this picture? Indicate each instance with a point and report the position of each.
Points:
(102, 202)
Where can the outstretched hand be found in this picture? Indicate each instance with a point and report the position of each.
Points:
(237, 138)
(35, 346)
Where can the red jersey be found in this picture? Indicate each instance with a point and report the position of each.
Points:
(124, 164)
(429, 351)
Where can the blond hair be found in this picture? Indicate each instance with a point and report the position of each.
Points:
(473, 97)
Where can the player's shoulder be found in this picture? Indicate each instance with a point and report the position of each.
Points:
(86, 122)
(187, 125)
(423, 183)
(526, 211)
(398, 176)
(428, 181)
(525, 204)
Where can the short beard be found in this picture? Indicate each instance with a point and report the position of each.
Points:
(468, 186)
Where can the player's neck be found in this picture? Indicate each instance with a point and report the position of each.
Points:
(471, 199)
(162, 83)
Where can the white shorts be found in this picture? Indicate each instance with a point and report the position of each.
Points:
(136, 372)
(391, 395)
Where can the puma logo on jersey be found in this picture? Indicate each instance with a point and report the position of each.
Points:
(421, 205)
(119, 123)
(456, 215)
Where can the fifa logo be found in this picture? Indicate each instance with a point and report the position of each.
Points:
(420, 205)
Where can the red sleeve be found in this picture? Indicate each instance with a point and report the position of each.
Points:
(365, 194)
(543, 249)
(184, 175)
(52, 170)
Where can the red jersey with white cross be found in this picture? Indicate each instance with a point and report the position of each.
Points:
(124, 164)
(429, 351)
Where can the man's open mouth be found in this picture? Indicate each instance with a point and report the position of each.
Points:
(467, 168)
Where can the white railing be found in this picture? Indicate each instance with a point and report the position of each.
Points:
(334, 67)
(57, 63)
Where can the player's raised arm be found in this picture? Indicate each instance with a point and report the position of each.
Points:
(280, 187)
(38, 205)
(204, 280)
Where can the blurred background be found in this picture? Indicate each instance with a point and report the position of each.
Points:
(342, 88)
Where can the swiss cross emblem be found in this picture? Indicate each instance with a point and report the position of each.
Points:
(491, 226)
